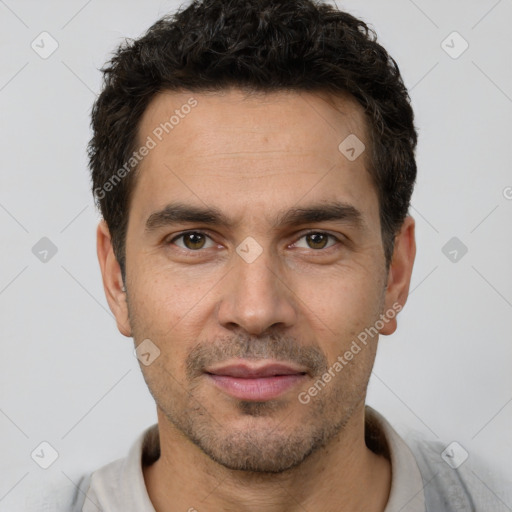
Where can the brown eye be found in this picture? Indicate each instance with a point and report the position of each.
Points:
(317, 240)
(192, 241)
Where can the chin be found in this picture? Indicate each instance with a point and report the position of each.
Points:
(261, 446)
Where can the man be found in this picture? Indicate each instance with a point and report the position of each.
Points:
(254, 162)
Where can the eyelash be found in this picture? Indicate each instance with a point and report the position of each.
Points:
(313, 232)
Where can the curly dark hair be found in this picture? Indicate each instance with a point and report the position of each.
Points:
(259, 46)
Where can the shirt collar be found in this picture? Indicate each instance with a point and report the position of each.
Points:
(406, 494)
(120, 485)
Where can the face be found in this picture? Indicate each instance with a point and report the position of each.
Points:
(254, 260)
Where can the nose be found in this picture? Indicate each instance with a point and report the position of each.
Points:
(256, 297)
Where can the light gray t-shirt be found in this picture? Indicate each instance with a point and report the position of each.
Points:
(426, 477)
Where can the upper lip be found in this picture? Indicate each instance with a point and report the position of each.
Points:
(252, 371)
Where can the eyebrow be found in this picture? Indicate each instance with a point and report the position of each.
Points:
(175, 213)
(332, 211)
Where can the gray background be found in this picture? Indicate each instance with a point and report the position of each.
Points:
(69, 378)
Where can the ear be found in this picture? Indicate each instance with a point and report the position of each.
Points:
(399, 275)
(112, 279)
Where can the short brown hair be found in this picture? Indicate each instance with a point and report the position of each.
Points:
(264, 46)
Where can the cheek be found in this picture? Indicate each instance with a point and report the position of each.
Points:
(166, 295)
(340, 306)
(170, 309)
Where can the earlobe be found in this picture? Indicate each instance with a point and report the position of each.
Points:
(112, 279)
(399, 276)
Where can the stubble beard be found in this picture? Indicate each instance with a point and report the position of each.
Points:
(264, 445)
(259, 448)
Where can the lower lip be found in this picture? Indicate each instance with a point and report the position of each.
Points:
(256, 389)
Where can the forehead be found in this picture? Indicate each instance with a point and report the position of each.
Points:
(259, 149)
(296, 119)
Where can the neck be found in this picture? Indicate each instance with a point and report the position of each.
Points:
(345, 475)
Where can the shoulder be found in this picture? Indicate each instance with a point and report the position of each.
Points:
(64, 494)
(118, 485)
(455, 480)
(436, 476)
(88, 492)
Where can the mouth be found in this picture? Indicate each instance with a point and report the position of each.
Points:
(256, 382)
